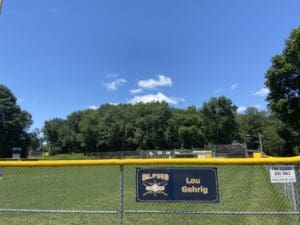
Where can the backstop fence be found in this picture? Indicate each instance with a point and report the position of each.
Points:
(105, 192)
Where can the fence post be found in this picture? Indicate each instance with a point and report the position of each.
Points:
(294, 198)
(296, 187)
(121, 198)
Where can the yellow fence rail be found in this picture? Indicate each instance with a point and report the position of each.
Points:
(159, 161)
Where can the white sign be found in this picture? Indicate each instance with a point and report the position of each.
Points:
(282, 174)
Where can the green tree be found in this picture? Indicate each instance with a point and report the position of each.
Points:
(291, 139)
(219, 122)
(71, 138)
(191, 136)
(53, 134)
(88, 127)
(35, 140)
(186, 128)
(283, 81)
(174, 122)
(151, 123)
(251, 124)
(276, 138)
(113, 127)
(271, 141)
(14, 123)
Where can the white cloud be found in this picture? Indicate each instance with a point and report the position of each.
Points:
(162, 80)
(241, 109)
(136, 91)
(159, 97)
(20, 100)
(179, 99)
(257, 106)
(112, 75)
(112, 86)
(218, 90)
(93, 107)
(113, 103)
(262, 92)
(233, 86)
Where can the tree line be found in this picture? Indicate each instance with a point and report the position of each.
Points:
(158, 126)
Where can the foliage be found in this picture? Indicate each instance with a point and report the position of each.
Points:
(283, 80)
(271, 141)
(219, 123)
(251, 124)
(291, 139)
(139, 126)
(277, 139)
(127, 127)
(14, 123)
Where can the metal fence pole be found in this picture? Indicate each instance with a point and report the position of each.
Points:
(121, 200)
(294, 198)
(296, 187)
(285, 189)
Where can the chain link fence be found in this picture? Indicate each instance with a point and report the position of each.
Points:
(107, 195)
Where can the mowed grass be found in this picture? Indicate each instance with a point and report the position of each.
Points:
(241, 188)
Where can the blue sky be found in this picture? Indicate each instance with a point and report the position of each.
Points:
(61, 56)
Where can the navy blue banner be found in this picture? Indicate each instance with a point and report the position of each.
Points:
(177, 184)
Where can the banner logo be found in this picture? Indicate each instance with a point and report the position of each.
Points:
(155, 184)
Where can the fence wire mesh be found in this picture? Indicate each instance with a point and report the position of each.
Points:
(103, 195)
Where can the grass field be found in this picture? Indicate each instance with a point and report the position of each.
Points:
(242, 188)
